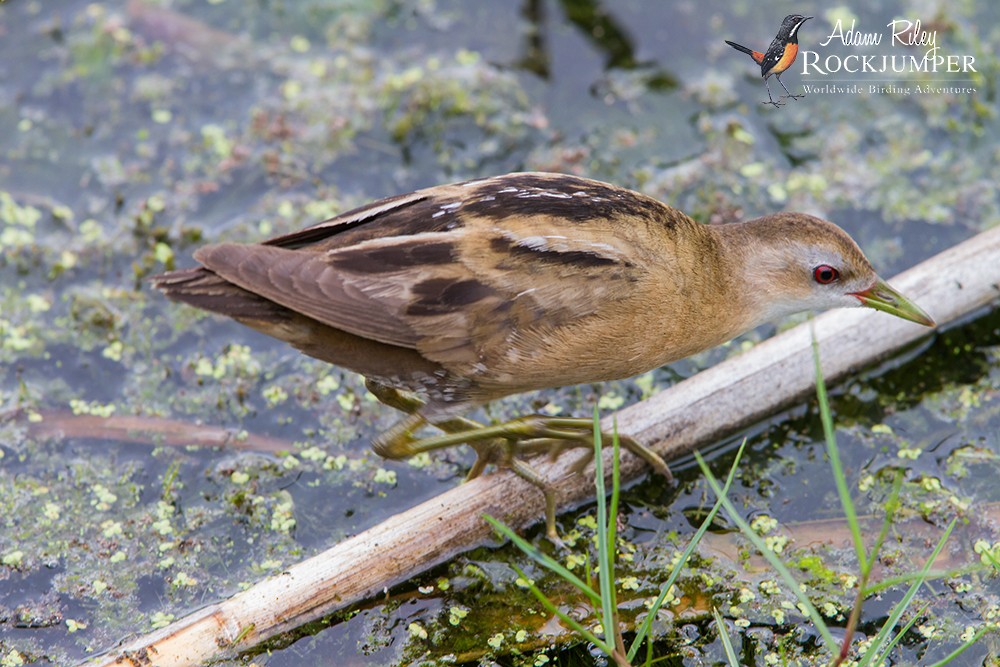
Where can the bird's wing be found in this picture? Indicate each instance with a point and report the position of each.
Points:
(455, 271)
(338, 230)
(771, 57)
(451, 296)
(307, 283)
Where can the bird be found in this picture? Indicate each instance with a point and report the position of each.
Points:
(779, 55)
(452, 296)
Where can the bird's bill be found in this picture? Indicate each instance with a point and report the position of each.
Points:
(882, 297)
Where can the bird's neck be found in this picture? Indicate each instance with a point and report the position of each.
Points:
(708, 300)
(746, 262)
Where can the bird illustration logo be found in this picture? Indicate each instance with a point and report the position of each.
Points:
(779, 56)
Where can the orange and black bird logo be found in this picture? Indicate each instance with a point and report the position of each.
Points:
(780, 55)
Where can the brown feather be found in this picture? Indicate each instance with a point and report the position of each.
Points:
(307, 284)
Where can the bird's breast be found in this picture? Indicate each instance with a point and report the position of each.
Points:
(787, 58)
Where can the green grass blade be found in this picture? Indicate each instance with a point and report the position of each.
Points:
(895, 640)
(615, 490)
(891, 505)
(834, 454)
(565, 618)
(647, 623)
(832, 645)
(931, 575)
(882, 637)
(961, 649)
(544, 559)
(727, 643)
(606, 574)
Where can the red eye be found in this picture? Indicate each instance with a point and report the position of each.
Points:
(825, 274)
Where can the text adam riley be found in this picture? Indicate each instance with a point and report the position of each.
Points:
(904, 33)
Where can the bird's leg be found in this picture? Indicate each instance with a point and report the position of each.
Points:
(528, 474)
(586, 439)
(524, 432)
(410, 403)
(770, 100)
(404, 401)
(398, 442)
(500, 443)
(794, 97)
(386, 445)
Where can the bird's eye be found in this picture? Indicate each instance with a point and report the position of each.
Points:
(825, 274)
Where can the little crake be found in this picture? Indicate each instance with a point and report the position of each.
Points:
(468, 292)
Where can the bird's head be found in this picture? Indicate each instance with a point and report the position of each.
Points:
(790, 26)
(797, 262)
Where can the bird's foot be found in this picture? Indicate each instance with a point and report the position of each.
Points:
(506, 444)
(399, 442)
(534, 434)
(559, 433)
(524, 434)
(776, 105)
(794, 97)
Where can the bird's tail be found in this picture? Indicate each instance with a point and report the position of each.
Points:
(740, 47)
(757, 56)
(201, 288)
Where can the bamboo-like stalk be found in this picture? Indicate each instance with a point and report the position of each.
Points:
(697, 411)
